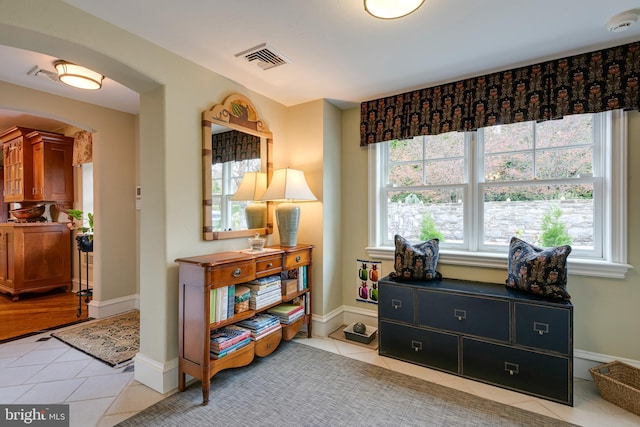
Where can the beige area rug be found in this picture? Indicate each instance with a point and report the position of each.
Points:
(338, 334)
(113, 340)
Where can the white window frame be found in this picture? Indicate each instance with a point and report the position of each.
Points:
(612, 264)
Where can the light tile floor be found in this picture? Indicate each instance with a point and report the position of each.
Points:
(40, 369)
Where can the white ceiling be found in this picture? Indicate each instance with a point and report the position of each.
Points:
(337, 50)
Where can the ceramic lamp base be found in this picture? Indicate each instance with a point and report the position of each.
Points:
(256, 214)
(288, 217)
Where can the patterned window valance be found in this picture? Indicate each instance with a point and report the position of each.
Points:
(602, 80)
(234, 145)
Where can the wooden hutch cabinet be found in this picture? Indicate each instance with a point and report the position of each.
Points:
(199, 275)
(37, 166)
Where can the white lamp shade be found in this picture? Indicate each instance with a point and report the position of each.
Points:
(288, 185)
(391, 9)
(78, 76)
(252, 187)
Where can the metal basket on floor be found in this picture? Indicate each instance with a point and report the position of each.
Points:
(619, 383)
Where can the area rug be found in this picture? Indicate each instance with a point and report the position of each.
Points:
(298, 385)
(113, 340)
(339, 335)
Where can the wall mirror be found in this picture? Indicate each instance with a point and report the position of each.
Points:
(235, 141)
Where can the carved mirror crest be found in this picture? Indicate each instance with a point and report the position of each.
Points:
(235, 140)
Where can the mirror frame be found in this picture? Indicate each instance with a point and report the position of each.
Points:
(224, 115)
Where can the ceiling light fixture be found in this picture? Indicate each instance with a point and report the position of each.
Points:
(78, 76)
(391, 9)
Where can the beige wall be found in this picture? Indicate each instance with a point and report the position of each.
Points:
(606, 314)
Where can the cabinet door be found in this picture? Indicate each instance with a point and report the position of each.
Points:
(531, 372)
(52, 171)
(427, 348)
(6, 239)
(14, 170)
(479, 316)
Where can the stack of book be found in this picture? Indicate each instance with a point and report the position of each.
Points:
(260, 325)
(226, 340)
(264, 291)
(287, 313)
(221, 303)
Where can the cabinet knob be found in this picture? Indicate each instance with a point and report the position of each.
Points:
(237, 272)
(270, 265)
(298, 258)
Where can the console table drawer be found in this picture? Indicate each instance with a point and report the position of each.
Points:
(427, 348)
(268, 266)
(535, 373)
(229, 275)
(297, 259)
(543, 327)
(396, 303)
(479, 316)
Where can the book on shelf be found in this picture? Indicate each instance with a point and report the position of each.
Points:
(285, 309)
(302, 277)
(231, 294)
(255, 336)
(223, 338)
(258, 321)
(257, 305)
(231, 349)
(222, 305)
(212, 306)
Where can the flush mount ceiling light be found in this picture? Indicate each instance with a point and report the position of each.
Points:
(622, 21)
(78, 76)
(391, 9)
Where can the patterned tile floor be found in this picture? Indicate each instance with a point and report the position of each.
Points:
(40, 369)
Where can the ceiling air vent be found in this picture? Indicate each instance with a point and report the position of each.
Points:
(266, 56)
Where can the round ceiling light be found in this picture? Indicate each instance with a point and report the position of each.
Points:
(78, 76)
(391, 9)
(622, 21)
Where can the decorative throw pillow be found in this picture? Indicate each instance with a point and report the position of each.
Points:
(538, 271)
(416, 262)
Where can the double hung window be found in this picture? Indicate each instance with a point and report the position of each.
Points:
(549, 183)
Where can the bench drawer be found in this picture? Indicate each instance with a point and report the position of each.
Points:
(396, 303)
(535, 373)
(427, 348)
(543, 327)
(478, 316)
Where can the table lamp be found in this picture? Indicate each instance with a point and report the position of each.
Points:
(288, 186)
(251, 189)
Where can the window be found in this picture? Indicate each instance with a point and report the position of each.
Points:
(549, 183)
(225, 179)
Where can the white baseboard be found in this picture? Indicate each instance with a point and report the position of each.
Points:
(106, 308)
(323, 325)
(162, 377)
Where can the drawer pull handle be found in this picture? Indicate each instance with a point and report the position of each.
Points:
(298, 258)
(541, 328)
(512, 368)
(237, 272)
(460, 314)
(270, 265)
(416, 345)
(396, 303)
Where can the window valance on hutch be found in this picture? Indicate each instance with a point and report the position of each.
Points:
(234, 146)
(597, 81)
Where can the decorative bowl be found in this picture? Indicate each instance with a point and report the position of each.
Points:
(256, 243)
(31, 212)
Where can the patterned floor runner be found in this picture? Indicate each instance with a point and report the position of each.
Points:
(114, 340)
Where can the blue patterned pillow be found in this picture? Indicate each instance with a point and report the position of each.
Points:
(538, 271)
(416, 262)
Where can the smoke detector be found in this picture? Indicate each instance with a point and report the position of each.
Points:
(622, 21)
(266, 56)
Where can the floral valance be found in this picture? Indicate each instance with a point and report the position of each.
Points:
(233, 146)
(602, 80)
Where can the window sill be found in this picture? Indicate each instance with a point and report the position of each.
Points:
(577, 267)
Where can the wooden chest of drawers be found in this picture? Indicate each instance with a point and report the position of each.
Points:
(481, 331)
